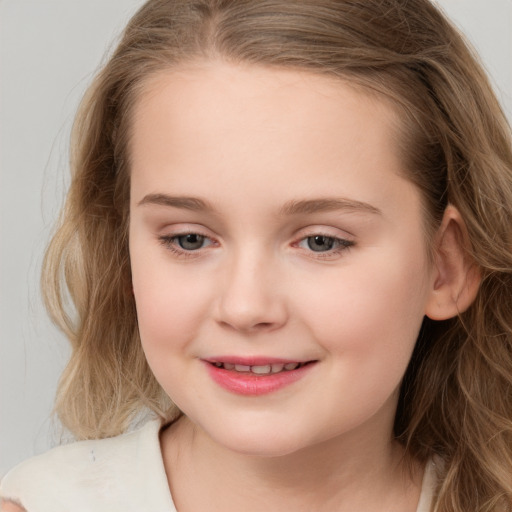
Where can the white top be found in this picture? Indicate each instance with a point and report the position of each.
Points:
(120, 474)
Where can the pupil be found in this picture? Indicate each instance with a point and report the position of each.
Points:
(320, 243)
(191, 241)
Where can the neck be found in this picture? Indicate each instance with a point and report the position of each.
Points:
(347, 473)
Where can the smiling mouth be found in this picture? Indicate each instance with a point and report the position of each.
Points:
(267, 369)
(258, 375)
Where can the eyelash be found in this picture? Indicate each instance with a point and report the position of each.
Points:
(170, 242)
(341, 244)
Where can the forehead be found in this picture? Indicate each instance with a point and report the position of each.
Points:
(245, 122)
(220, 95)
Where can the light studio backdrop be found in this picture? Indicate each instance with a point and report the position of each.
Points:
(48, 54)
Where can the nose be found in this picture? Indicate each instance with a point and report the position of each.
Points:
(251, 298)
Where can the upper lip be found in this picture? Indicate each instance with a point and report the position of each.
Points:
(254, 360)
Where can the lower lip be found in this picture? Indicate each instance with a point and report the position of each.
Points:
(255, 385)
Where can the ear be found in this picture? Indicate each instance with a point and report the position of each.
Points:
(456, 277)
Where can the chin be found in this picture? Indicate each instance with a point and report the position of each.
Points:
(259, 442)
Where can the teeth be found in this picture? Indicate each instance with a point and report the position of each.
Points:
(259, 370)
(276, 368)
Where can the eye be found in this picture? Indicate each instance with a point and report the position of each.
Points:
(324, 246)
(190, 241)
(323, 243)
(320, 243)
(186, 243)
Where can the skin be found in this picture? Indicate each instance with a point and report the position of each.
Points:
(9, 506)
(249, 144)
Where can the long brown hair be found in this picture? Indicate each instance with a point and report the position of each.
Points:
(456, 397)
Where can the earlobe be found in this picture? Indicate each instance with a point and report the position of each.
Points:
(456, 276)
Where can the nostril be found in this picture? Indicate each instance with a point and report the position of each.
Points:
(263, 325)
(246, 325)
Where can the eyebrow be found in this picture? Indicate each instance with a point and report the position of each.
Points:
(187, 203)
(294, 207)
(326, 205)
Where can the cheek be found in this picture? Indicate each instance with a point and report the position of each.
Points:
(369, 314)
(169, 303)
(168, 314)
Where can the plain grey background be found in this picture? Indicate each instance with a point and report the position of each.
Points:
(48, 54)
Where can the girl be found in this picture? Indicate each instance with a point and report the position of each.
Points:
(288, 239)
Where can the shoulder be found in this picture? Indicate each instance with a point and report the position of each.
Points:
(85, 474)
(9, 506)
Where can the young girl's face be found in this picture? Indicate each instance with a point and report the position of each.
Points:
(279, 257)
